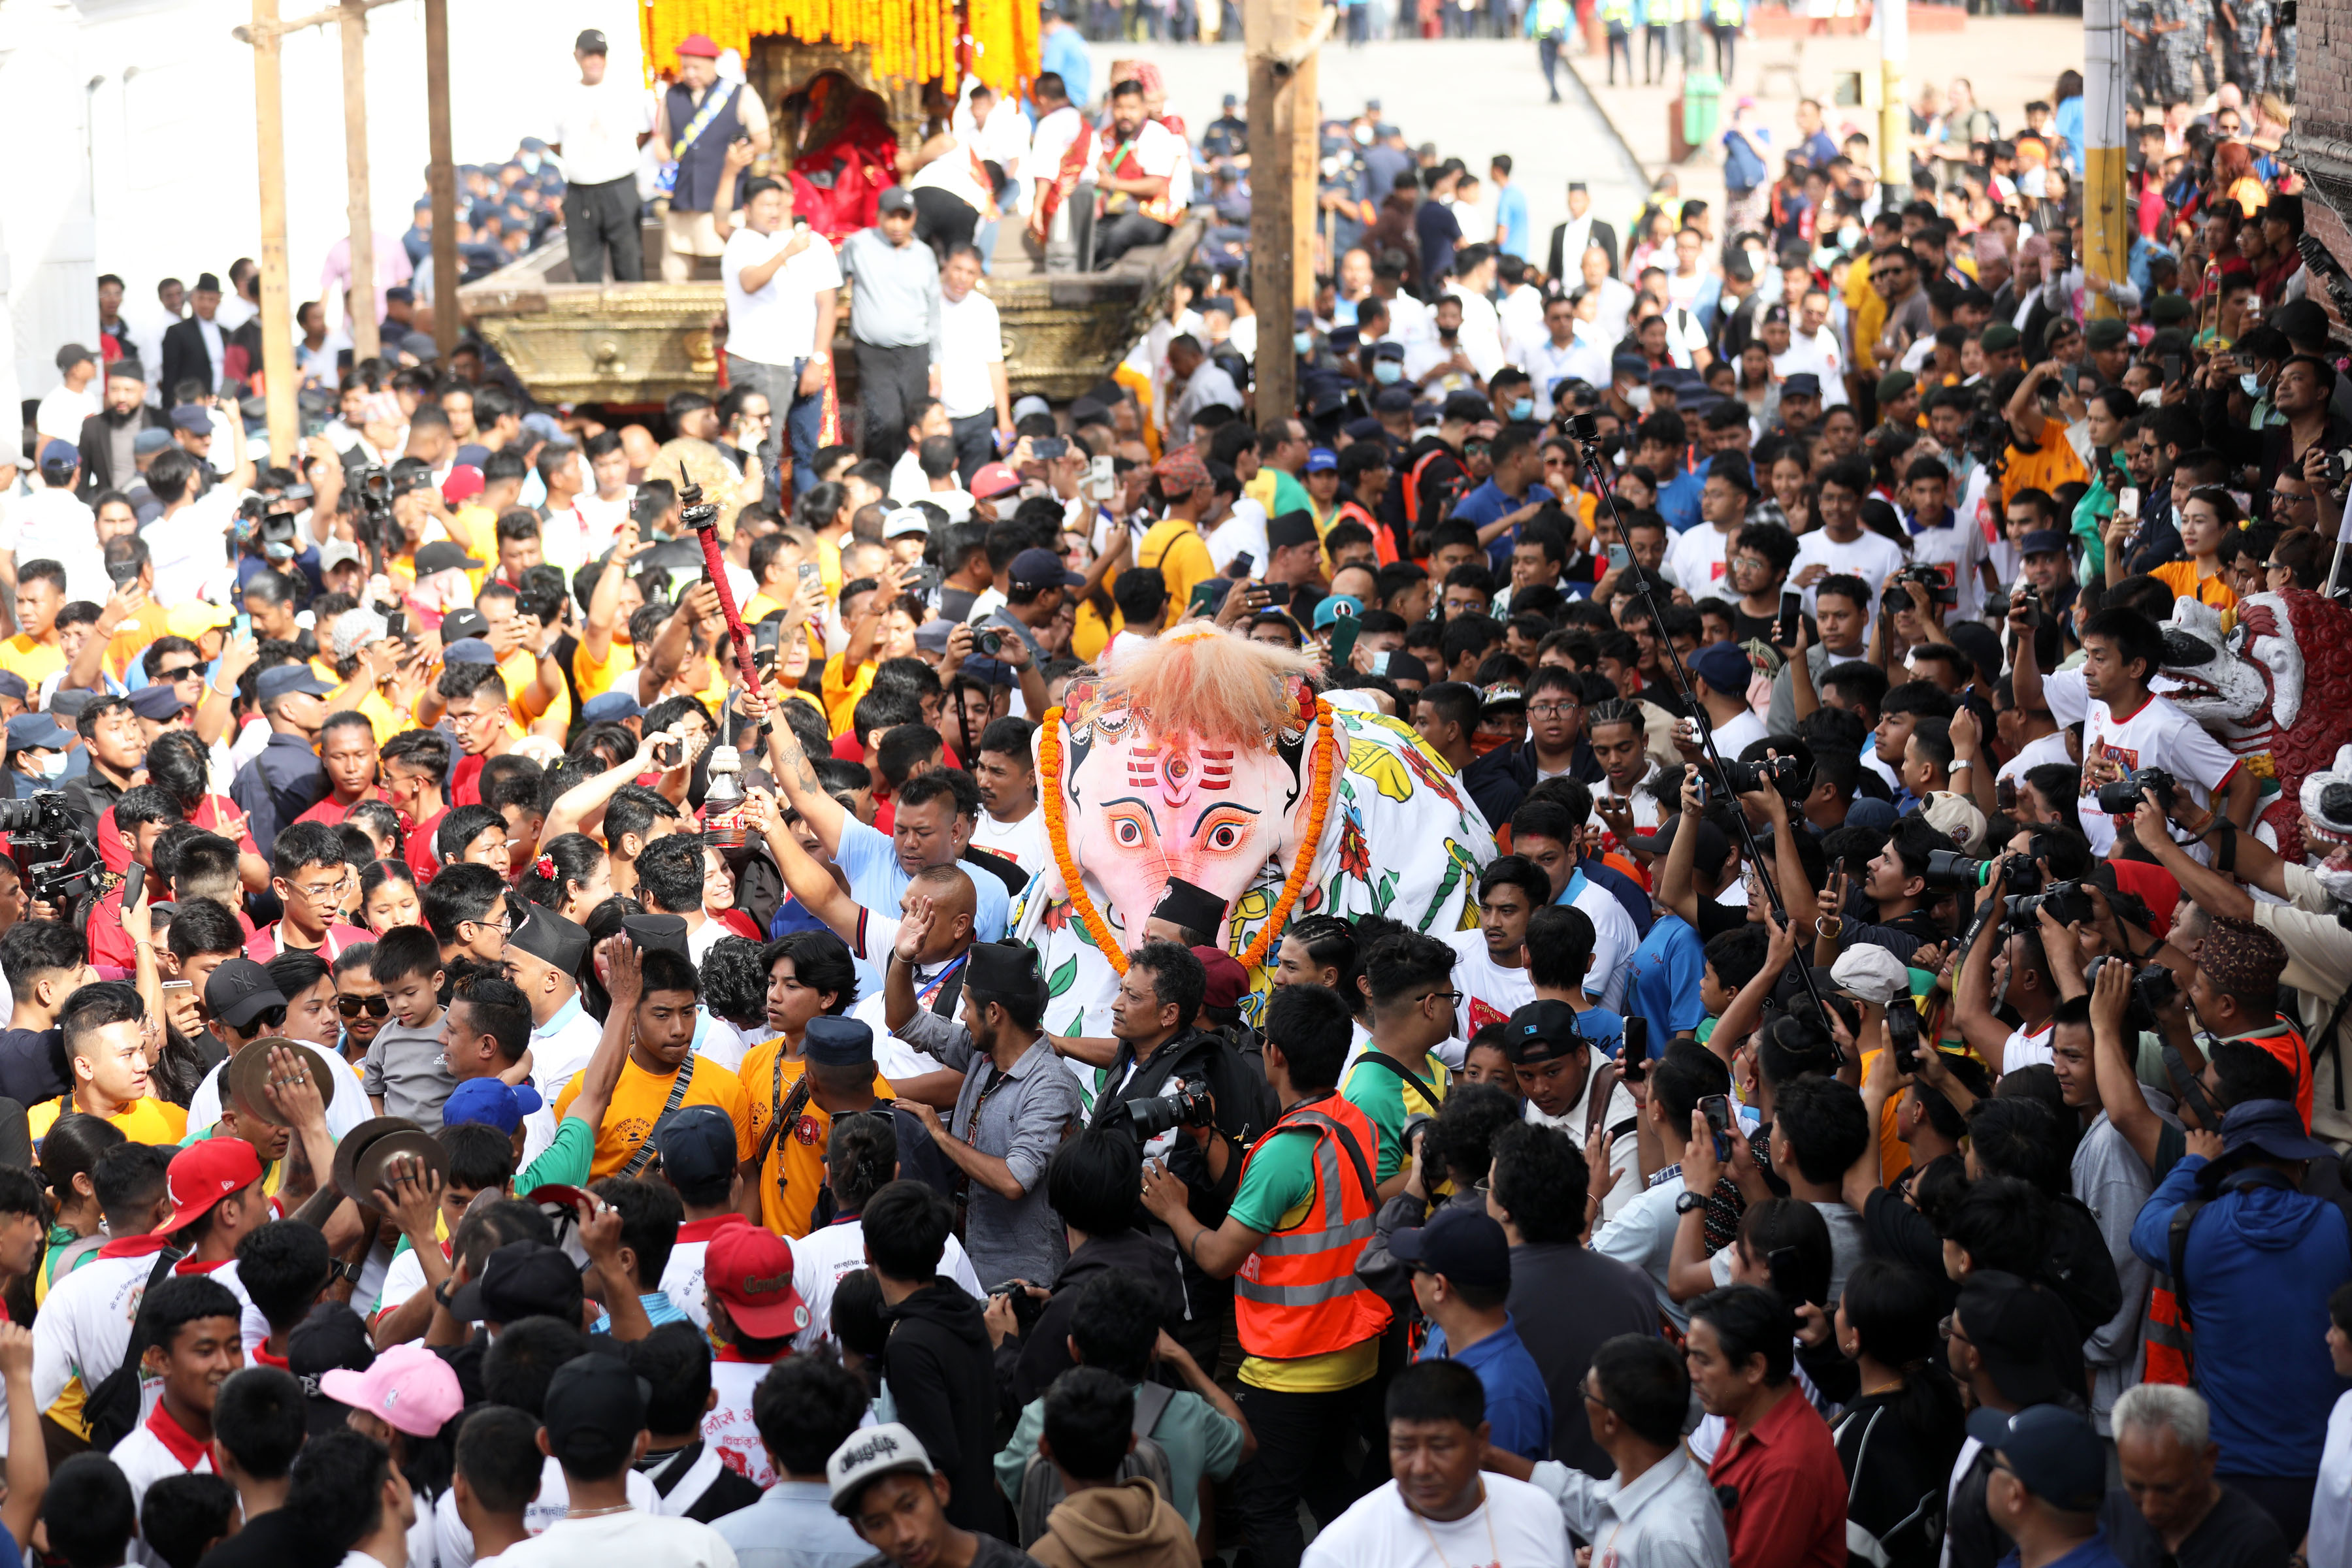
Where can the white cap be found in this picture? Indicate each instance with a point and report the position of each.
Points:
(355, 629)
(867, 1455)
(907, 520)
(337, 553)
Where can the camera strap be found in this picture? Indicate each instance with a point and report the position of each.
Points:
(677, 1087)
(1429, 1094)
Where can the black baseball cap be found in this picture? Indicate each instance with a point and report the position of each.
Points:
(2053, 1452)
(1541, 1032)
(696, 1145)
(238, 991)
(594, 1408)
(1041, 568)
(522, 1279)
(1464, 1245)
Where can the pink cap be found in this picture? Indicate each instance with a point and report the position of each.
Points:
(698, 43)
(464, 483)
(409, 1389)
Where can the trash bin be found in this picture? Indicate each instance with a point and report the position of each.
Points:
(1701, 106)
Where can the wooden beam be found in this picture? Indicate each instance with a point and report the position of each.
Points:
(359, 298)
(276, 319)
(1268, 27)
(441, 176)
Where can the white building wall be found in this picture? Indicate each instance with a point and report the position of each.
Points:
(129, 127)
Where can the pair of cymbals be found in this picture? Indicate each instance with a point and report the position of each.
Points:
(367, 1151)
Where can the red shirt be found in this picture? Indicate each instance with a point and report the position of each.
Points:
(466, 782)
(332, 814)
(207, 816)
(419, 852)
(1786, 1505)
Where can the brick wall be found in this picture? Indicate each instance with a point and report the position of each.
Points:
(2320, 146)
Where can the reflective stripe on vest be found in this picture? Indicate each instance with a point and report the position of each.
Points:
(1297, 1294)
(2167, 1336)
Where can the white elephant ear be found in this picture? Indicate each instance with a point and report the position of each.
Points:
(2343, 761)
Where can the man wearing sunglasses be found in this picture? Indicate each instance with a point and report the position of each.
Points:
(360, 1003)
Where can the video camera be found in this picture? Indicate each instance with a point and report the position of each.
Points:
(2066, 901)
(57, 861)
(2122, 797)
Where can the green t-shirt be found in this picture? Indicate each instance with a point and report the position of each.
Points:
(1386, 1098)
(1198, 1439)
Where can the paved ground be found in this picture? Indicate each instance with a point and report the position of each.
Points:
(2009, 61)
(1475, 97)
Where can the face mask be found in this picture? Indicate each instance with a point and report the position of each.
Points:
(1387, 372)
(529, 161)
(1446, 335)
(1524, 409)
(1849, 236)
(1364, 135)
(53, 766)
(1302, 343)
(1639, 397)
(2250, 384)
(1482, 743)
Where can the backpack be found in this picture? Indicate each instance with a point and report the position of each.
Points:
(113, 1408)
(1041, 1484)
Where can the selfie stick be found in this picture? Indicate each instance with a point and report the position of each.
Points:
(703, 518)
(1583, 430)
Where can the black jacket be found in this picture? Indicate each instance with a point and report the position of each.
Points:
(1242, 1098)
(1556, 265)
(1025, 1366)
(98, 458)
(184, 358)
(943, 1379)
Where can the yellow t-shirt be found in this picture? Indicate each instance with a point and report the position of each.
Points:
(2045, 469)
(598, 677)
(131, 638)
(828, 565)
(1866, 309)
(1176, 547)
(35, 660)
(2181, 576)
(842, 689)
(148, 1120)
(637, 1101)
(382, 717)
(1091, 634)
(794, 1171)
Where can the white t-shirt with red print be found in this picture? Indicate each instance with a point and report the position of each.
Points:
(2156, 734)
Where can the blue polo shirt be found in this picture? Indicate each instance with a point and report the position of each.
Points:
(1488, 503)
(1667, 968)
(1519, 1405)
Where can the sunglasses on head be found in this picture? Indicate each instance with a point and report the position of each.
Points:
(353, 1006)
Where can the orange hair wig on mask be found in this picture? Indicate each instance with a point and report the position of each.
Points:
(1212, 686)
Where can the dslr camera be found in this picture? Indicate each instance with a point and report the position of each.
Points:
(2122, 797)
(1779, 773)
(1951, 868)
(2151, 988)
(1933, 578)
(1184, 1105)
(2066, 901)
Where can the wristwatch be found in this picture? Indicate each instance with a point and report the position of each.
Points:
(1688, 1202)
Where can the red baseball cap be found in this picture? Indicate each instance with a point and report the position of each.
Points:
(1227, 981)
(201, 1175)
(698, 44)
(464, 483)
(751, 1270)
(994, 479)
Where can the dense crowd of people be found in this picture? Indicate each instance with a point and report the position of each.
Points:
(524, 1043)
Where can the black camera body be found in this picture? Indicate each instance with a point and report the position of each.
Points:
(2122, 797)
(57, 861)
(988, 643)
(1951, 868)
(1935, 579)
(1184, 1105)
(2066, 901)
(2152, 987)
(1779, 774)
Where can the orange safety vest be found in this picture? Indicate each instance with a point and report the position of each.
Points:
(1298, 1295)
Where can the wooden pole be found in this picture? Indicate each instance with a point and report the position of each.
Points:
(441, 176)
(1267, 26)
(1305, 166)
(277, 311)
(359, 298)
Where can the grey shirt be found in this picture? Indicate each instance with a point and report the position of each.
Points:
(894, 300)
(404, 1068)
(2113, 1182)
(1667, 1518)
(1781, 717)
(1020, 1116)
